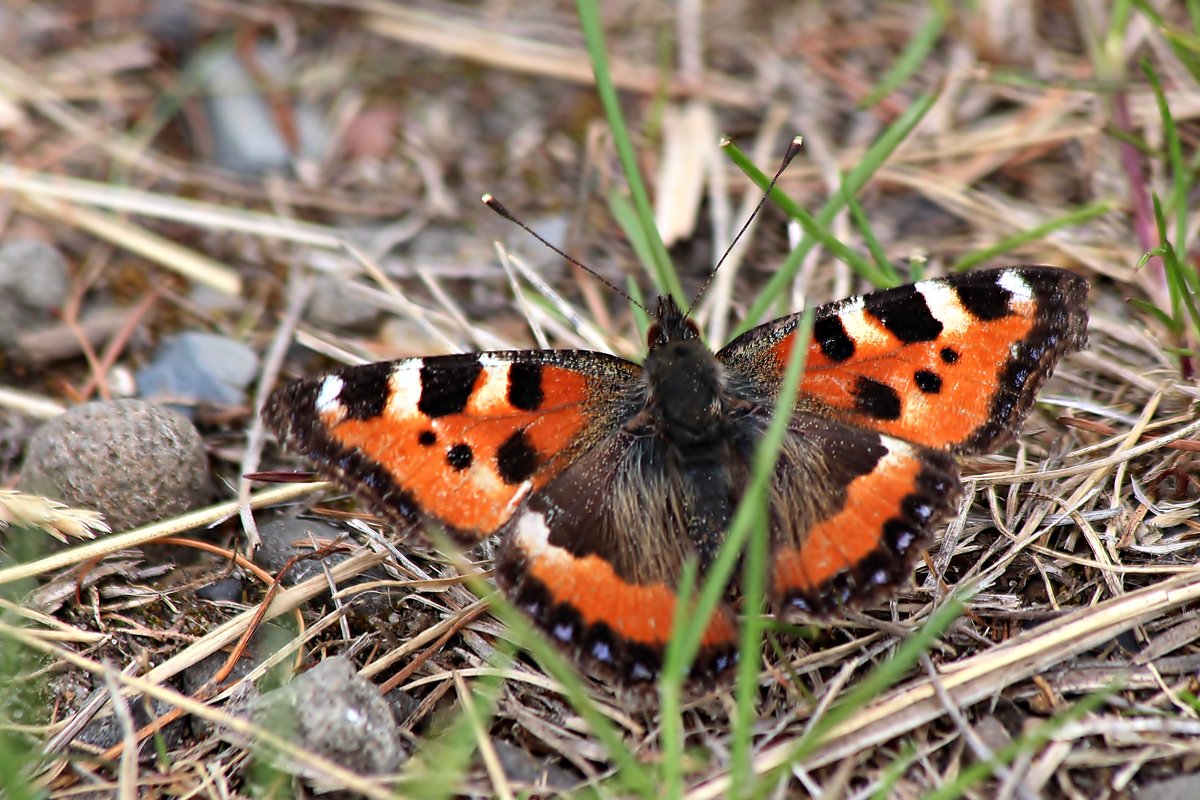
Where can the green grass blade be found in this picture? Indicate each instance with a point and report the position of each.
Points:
(882, 265)
(18, 754)
(916, 268)
(1184, 44)
(1189, 698)
(914, 54)
(635, 233)
(1009, 243)
(1110, 60)
(1167, 321)
(1176, 287)
(685, 642)
(640, 320)
(1133, 140)
(664, 273)
(811, 227)
(675, 665)
(876, 155)
(1182, 294)
(1179, 170)
(754, 590)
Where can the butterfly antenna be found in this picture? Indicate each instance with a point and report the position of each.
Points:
(499, 208)
(792, 150)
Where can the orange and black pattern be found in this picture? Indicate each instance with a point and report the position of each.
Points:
(604, 477)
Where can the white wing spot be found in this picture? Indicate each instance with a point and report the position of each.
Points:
(488, 360)
(493, 391)
(860, 328)
(1011, 281)
(405, 383)
(897, 448)
(329, 394)
(944, 305)
(532, 533)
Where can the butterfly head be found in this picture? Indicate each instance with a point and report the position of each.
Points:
(671, 324)
(685, 379)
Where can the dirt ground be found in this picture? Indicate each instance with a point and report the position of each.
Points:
(300, 182)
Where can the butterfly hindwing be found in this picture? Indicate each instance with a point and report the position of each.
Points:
(951, 363)
(463, 438)
(580, 558)
(850, 512)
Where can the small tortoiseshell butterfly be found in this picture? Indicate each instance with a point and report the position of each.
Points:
(603, 476)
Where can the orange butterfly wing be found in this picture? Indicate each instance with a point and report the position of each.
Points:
(950, 363)
(461, 438)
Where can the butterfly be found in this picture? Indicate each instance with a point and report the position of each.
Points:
(603, 477)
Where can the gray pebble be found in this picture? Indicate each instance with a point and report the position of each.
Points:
(105, 730)
(334, 305)
(267, 640)
(277, 547)
(1182, 787)
(526, 770)
(33, 282)
(172, 22)
(225, 590)
(246, 137)
(133, 461)
(333, 712)
(199, 368)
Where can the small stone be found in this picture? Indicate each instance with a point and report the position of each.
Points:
(35, 271)
(527, 771)
(266, 642)
(992, 733)
(278, 545)
(105, 730)
(133, 461)
(199, 368)
(172, 23)
(226, 590)
(333, 712)
(334, 305)
(33, 282)
(245, 132)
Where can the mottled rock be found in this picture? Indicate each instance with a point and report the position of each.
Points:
(133, 461)
(333, 712)
(105, 730)
(244, 127)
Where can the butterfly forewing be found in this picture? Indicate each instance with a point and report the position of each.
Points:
(951, 363)
(463, 438)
